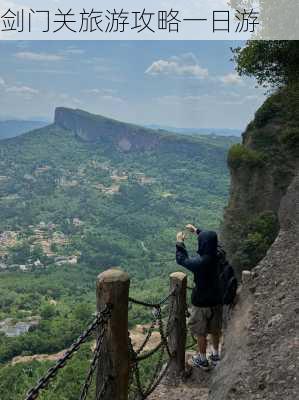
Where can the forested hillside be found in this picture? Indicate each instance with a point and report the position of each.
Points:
(85, 194)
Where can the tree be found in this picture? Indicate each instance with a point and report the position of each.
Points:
(37, 252)
(273, 63)
(20, 253)
(48, 311)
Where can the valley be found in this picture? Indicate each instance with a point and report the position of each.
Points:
(87, 193)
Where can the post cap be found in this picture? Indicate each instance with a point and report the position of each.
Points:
(114, 274)
(178, 275)
(246, 276)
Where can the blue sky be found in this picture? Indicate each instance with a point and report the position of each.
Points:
(177, 83)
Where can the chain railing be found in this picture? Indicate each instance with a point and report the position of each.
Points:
(151, 304)
(114, 350)
(138, 391)
(99, 322)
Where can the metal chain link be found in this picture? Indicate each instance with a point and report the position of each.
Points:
(191, 345)
(148, 336)
(150, 353)
(102, 392)
(162, 334)
(159, 379)
(150, 304)
(156, 373)
(101, 318)
(136, 357)
(93, 365)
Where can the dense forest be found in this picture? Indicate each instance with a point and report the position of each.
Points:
(71, 208)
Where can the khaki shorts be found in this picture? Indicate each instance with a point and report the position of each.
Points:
(204, 320)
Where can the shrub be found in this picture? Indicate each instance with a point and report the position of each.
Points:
(240, 155)
(290, 139)
(267, 111)
(259, 234)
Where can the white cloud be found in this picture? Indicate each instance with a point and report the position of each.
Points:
(18, 89)
(68, 98)
(44, 71)
(112, 99)
(104, 94)
(31, 56)
(254, 97)
(96, 60)
(231, 79)
(189, 99)
(21, 90)
(200, 100)
(74, 51)
(238, 99)
(185, 65)
(92, 91)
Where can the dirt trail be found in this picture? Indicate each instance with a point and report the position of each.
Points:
(261, 349)
(37, 357)
(137, 336)
(194, 387)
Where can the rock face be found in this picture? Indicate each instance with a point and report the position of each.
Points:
(261, 171)
(93, 128)
(98, 130)
(262, 339)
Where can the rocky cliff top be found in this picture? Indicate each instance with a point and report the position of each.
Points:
(261, 168)
(262, 349)
(126, 137)
(95, 128)
(261, 229)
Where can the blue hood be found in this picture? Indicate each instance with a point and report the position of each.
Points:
(207, 243)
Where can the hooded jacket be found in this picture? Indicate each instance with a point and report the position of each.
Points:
(207, 292)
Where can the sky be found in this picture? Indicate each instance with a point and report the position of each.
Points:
(190, 84)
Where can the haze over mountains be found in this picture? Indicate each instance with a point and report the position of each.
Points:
(12, 128)
(199, 131)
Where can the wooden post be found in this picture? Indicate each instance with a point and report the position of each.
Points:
(178, 331)
(246, 277)
(113, 288)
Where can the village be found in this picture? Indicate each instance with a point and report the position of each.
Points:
(46, 238)
(45, 235)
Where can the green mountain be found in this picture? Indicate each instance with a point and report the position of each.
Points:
(87, 193)
(109, 186)
(102, 168)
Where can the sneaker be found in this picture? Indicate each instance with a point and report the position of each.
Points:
(214, 358)
(199, 363)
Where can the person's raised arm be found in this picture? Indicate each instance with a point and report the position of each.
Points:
(191, 228)
(182, 257)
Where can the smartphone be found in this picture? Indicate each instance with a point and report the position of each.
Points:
(186, 232)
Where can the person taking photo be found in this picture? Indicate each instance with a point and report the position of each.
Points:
(206, 298)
